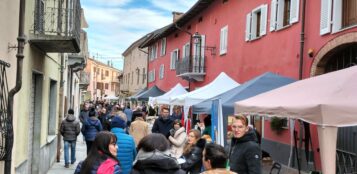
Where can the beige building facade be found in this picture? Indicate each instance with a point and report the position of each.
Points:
(104, 80)
(52, 35)
(134, 77)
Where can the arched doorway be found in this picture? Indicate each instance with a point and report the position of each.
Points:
(337, 55)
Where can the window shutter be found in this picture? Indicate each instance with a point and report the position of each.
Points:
(183, 51)
(337, 16)
(153, 75)
(247, 27)
(172, 60)
(164, 46)
(325, 18)
(280, 15)
(273, 15)
(253, 26)
(263, 20)
(203, 43)
(294, 11)
(223, 40)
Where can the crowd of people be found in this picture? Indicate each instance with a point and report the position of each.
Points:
(119, 140)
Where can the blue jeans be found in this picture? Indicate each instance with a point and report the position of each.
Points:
(68, 144)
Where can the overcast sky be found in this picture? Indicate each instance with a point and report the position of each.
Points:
(115, 24)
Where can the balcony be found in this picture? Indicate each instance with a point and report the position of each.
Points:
(77, 61)
(191, 70)
(115, 79)
(84, 80)
(56, 27)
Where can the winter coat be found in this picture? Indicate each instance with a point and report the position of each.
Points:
(129, 114)
(70, 128)
(156, 162)
(178, 142)
(245, 154)
(193, 159)
(91, 127)
(139, 129)
(83, 115)
(109, 166)
(126, 152)
(162, 126)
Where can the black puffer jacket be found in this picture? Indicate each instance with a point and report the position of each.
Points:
(245, 154)
(70, 128)
(157, 163)
(193, 159)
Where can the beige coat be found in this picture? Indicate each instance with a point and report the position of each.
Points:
(139, 129)
(177, 142)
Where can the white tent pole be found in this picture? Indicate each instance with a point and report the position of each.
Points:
(292, 125)
(327, 141)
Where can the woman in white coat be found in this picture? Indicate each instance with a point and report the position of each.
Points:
(177, 139)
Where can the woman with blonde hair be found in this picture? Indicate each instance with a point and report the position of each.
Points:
(192, 152)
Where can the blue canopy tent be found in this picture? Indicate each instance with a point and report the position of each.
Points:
(258, 85)
(152, 92)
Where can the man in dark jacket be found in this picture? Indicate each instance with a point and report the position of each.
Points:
(163, 124)
(245, 153)
(70, 129)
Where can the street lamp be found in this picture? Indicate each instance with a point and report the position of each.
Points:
(197, 40)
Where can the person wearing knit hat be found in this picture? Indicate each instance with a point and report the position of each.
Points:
(126, 152)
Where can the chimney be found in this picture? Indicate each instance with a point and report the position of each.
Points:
(176, 16)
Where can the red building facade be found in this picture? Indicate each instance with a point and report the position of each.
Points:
(245, 38)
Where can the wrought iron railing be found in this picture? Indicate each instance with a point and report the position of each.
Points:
(55, 17)
(346, 162)
(4, 123)
(196, 65)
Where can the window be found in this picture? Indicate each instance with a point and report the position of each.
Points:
(186, 51)
(132, 77)
(153, 52)
(106, 86)
(163, 47)
(138, 75)
(107, 73)
(223, 40)
(128, 78)
(349, 13)
(256, 23)
(144, 75)
(174, 58)
(283, 13)
(162, 71)
(152, 75)
(343, 12)
(199, 55)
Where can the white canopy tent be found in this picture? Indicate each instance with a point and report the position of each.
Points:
(221, 84)
(328, 100)
(110, 97)
(165, 98)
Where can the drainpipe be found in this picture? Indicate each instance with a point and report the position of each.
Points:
(21, 39)
(302, 42)
(302, 39)
(190, 54)
(60, 114)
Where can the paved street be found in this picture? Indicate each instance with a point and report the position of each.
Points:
(58, 167)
